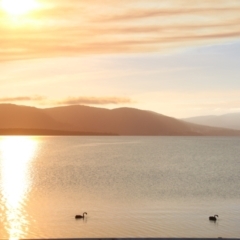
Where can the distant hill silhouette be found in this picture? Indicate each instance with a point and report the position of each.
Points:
(14, 116)
(231, 120)
(84, 120)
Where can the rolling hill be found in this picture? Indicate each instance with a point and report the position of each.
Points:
(84, 120)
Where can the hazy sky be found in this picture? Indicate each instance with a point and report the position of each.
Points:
(176, 57)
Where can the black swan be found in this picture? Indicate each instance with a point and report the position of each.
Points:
(80, 216)
(213, 218)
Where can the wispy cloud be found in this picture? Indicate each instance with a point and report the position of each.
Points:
(22, 98)
(94, 100)
(70, 28)
(68, 101)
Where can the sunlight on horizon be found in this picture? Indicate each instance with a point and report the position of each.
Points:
(16, 153)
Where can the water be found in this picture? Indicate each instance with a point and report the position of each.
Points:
(129, 187)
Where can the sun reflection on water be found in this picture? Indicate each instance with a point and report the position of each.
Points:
(16, 153)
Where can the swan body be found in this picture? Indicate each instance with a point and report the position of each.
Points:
(213, 218)
(80, 216)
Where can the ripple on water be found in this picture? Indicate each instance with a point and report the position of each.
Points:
(130, 187)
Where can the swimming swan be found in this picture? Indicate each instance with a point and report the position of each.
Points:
(80, 216)
(213, 218)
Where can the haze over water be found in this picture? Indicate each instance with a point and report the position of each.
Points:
(129, 186)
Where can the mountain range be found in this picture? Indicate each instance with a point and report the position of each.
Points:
(85, 120)
(231, 120)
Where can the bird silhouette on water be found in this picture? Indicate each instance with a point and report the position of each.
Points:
(80, 216)
(213, 218)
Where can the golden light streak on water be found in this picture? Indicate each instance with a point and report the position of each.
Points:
(16, 154)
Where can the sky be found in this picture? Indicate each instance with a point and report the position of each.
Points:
(180, 58)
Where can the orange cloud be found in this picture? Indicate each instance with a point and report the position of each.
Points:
(70, 28)
(22, 98)
(68, 101)
(94, 100)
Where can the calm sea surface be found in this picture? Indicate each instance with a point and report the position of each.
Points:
(129, 187)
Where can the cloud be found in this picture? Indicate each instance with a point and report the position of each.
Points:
(153, 13)
(94, 100)
(71, 28)
(22, 98)
(68, 101)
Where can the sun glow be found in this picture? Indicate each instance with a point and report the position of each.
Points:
(18, 7)
(16, 154)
